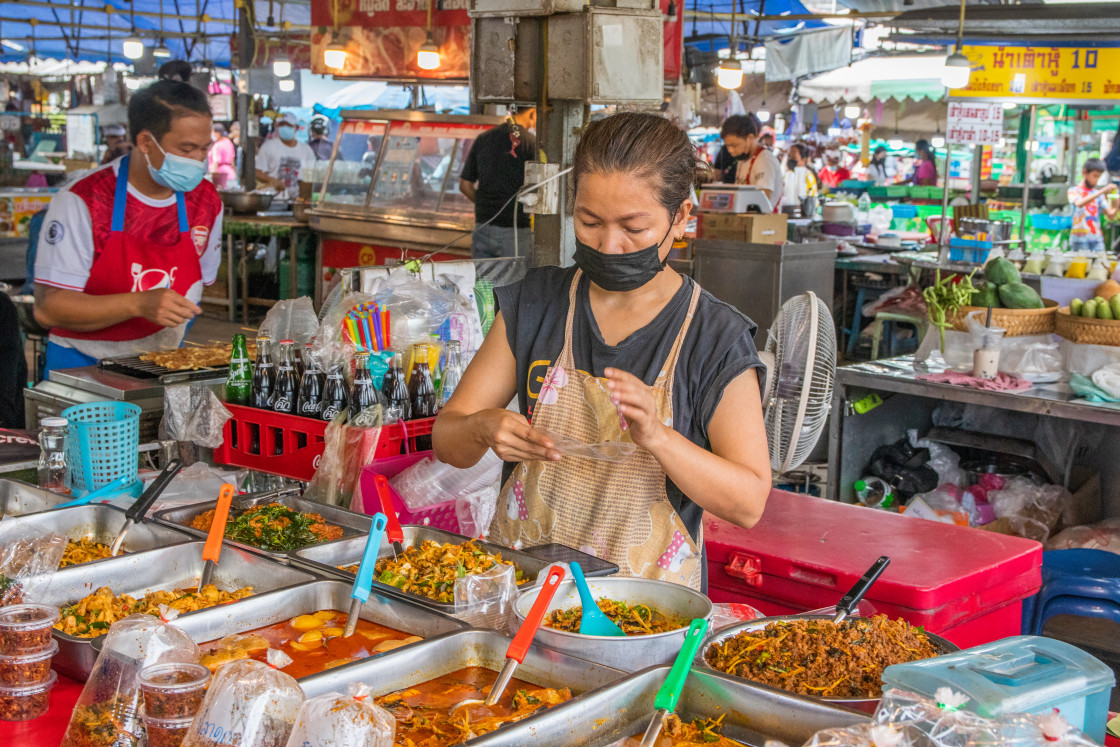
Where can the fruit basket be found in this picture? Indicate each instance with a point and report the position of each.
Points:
(1085, 330)
(1017, 322)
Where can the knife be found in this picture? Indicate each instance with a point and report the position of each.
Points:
(364, 580)
(394, 531)
(212, 550)
(670, 692)
(136, 512)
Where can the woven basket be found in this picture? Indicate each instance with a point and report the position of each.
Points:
(1085, 330)
(1017, 322)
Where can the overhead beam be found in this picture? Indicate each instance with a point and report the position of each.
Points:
(204, 18)
(869, 16)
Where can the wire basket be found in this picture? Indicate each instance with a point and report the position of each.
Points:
(104, 443)
(1087, 331)
(1017, 322)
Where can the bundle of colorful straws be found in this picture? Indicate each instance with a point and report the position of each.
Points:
(368, 327)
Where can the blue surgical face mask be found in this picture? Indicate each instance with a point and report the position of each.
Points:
(286, 132)
(179, 173)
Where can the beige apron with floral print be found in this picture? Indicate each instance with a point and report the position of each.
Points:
(616, 511)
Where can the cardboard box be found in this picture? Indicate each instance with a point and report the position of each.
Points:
(753, 228)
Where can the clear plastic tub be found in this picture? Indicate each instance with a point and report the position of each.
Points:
(26, 702)
(166, 732)
(26, 628)
(174, 690)
(27, 669)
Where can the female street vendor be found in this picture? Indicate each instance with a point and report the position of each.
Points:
(619, 347)
(124, 252)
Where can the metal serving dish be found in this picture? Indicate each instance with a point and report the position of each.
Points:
(268, 609)
(101, 523)
(174, 567)
(867, 705)
(246, 202)
(752, 713)
(18, 498)
(327, 557)
(470, 648)
(632, 652)
(353, 524)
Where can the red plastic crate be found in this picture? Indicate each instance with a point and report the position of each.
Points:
(302, 441)
(439, 516)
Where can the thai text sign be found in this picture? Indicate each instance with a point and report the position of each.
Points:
(1042, 73)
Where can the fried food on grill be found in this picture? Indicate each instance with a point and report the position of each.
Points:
(192, 358)
(83, 550)
(821, 658)
(273, 527)
(92, 615)
(430, 568)
(638, 619)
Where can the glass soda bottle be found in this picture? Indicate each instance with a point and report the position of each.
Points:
(239, 382)
(452, 372)
(264, 375)
(287, 382)
(421, 390)
(54, 472)
(396, 391)
(363, 393)
(437, 370)
(335, 399)
(310, 402)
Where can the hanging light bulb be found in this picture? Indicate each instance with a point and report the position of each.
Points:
(287, 85)
(730, 74)
(427, 57)
(161, 50)
(334, 56)
(852, 111)
(281, 65)
(937, 141)
(895, 144)
(763, 116)
(133, 47)
(956, 71)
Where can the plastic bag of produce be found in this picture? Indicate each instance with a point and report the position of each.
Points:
(108, 710)
(352, 720)
(249, 704)
(27, 563)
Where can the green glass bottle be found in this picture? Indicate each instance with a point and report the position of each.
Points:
(239, 383)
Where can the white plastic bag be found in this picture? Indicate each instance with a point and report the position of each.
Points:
(430, 481)
(292, 319)
(193, 413)
(248, 704)
(352, 720)
(475, 510)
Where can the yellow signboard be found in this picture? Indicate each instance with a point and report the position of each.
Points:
(1043, 74)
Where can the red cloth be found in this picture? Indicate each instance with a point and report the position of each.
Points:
(832, 179)
(1001, 383)
(46, 730)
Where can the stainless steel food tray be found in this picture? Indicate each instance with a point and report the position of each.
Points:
(174, 567)
(326, 558)
(100, 523)
(471, 648)
(18, 498)
(353, 524)
(267, 609)
(752, 713)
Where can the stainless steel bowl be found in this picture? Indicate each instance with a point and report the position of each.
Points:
(632, 652)
(246, 202)
(867, 705)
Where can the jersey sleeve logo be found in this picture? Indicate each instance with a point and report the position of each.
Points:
(55, 232)
(200, 235)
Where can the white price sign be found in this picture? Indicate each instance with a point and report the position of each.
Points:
(974, 124)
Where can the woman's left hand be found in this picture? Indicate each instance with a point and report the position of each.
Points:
(636, 405)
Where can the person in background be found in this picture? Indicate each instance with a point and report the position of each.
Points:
(800, 183)
(179, 70)
(235, 138)
(767, 137)
(318, 140)
(1089, 203)
(925, 170)
(222, 158)
(834, 172)
(493, 173)
(116, 143)
(280, 158)
(877, 169)
(755, 163)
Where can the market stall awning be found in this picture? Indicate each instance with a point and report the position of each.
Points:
(914, 77)
(1080, 24)
(707, 23)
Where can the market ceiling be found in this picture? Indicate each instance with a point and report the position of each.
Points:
(1079, 24)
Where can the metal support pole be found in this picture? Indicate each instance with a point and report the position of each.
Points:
(245, 45)
(1027, 173)
(977, 167)
(943, 232)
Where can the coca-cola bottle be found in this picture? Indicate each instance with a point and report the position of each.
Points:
(264, 375)
(395, 390)
(363, 393)
(335, 399)
(310, 402)
(421, 390)
(287, 383)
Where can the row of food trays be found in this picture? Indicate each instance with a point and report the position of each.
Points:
(291, 593)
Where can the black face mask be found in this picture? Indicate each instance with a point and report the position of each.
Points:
(620, 272)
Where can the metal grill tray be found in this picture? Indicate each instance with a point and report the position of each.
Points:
(131, 365)
(173, 567)
(324, 559)
(353, 525)
(267, 609)
(101, 523)
(18, 498)
(752, 713)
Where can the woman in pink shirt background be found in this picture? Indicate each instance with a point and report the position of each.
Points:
(925, 170)
(222, 157)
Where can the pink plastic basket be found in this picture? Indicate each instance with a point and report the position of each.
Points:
(439, 516)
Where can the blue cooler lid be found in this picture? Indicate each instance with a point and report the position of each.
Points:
(1023, 674)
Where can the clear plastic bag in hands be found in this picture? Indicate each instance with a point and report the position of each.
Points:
(485, 600)
(294, 319)
(248, 704)
(605, 451)
(193, 413)
(351, 720)
(112, 693)
(28, 562)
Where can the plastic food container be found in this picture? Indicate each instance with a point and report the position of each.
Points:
(26, 702)
(26, 628)
(173, 691)
(27, 669)
(1024, 674)
(167, 732)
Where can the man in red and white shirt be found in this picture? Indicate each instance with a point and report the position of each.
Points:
(124, 252)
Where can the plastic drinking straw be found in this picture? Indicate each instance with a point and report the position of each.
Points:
(385, 328)
(375, 317)
(352, 328)
(366, 332)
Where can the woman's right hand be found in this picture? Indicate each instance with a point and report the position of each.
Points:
(511, 437)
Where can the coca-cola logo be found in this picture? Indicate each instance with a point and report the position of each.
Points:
(330, 412)
(283, 404)
(315, 462)
(312, 406)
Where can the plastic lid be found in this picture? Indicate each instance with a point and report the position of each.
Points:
(22, 691)
(287, 342)
(53, 422)
(168, 723)
(174, 677)
(21, 617)
(29, 658)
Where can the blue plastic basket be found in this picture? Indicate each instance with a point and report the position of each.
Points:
(103, 443)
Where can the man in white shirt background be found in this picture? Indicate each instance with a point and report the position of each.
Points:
(281, 158)
(755, 163)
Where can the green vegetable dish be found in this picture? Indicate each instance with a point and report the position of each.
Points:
(273, 527)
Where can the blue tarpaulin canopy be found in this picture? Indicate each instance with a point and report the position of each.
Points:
(712, 34)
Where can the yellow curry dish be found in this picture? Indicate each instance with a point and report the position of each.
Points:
(84, 550)
(92, 615)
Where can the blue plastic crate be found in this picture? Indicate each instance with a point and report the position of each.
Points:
(1051, 222)
(904, 211)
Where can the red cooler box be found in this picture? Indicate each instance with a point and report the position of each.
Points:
(964, 584)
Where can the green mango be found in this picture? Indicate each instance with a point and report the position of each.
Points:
(986, 295)
(1019, 296)
(1001, 271)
